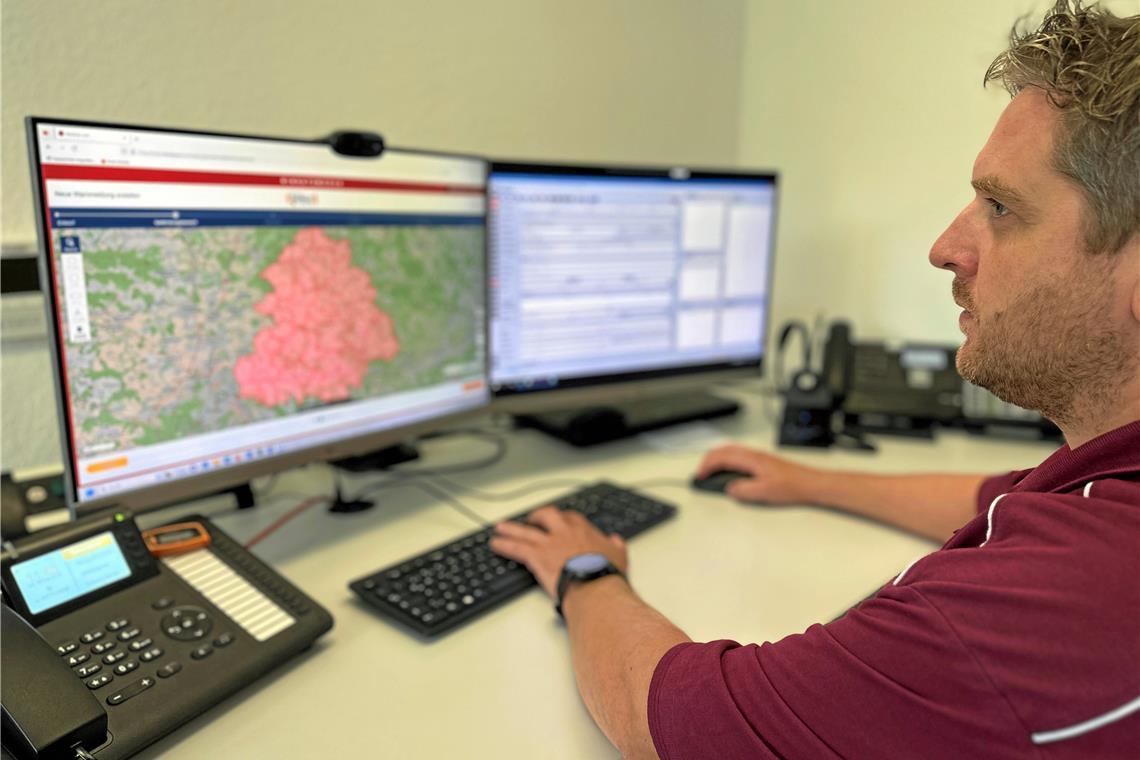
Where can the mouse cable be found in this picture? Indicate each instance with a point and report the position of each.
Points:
(660, 482)
(496, 439)
(433, 490)
(516, 493)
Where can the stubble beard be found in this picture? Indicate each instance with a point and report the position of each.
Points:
(1052, 350)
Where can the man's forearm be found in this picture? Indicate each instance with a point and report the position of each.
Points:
(616, 641)
(930, 505)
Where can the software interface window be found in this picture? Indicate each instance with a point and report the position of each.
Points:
(596, 275)
(222, 300)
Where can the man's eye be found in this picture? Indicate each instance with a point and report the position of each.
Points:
(997, 208)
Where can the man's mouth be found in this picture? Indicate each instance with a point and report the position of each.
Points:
(961, 296)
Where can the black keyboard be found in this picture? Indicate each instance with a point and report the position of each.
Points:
(453, 584)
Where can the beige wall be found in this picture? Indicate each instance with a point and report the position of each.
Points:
(611, 80)
(873, 111)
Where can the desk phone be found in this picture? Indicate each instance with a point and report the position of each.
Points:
(108, 647)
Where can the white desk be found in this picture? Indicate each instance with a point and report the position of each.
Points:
(502, 686)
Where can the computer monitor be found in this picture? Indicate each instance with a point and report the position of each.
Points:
(613, 282)
(225, 306)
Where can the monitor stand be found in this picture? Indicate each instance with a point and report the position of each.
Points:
(380, 459)
(598, 424)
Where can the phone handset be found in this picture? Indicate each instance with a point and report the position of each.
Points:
(838, 357)
(47, 711)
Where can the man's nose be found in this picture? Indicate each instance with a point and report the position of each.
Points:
(956, 249)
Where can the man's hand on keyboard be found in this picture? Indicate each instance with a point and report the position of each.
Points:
(553, 537)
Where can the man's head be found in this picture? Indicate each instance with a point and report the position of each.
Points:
(1047, 256)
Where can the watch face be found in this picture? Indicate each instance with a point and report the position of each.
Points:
(586, 563)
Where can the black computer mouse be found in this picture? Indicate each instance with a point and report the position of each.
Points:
(718, 480)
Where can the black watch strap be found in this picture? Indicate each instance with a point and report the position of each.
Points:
(568, 576)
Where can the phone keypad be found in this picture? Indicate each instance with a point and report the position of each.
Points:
(180, 622)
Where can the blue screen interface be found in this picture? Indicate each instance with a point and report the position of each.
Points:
(58, 577)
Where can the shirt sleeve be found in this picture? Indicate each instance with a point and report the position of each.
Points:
(888, 679)
(991, 488)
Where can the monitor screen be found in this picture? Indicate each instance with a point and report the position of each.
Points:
(221, 302)
(603, 274)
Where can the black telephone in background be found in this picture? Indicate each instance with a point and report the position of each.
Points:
(107, 647)
(911, 391)
(908, 391)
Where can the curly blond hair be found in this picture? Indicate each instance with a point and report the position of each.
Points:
(1088, 62)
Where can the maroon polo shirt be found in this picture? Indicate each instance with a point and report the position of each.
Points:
(1020, 638)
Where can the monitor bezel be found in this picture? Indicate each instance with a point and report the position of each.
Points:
(216, 481)
(624, 385)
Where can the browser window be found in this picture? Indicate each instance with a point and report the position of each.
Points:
(226, 299)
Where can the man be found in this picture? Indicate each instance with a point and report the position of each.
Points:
(1020, 637)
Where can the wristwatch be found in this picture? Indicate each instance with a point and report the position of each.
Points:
(581, 569)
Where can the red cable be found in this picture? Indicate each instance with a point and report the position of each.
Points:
(312, 501)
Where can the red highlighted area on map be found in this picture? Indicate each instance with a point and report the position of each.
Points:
(326, 326)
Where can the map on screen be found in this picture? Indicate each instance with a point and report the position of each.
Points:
(196, 330)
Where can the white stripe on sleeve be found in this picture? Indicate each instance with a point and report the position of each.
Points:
(990, 520)
(1060, 734)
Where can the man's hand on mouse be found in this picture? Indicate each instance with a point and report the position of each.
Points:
(773, 480)
(553, 537)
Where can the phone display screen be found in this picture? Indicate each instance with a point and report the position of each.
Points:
(73, 571)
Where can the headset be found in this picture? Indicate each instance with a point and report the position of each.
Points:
(806, 379)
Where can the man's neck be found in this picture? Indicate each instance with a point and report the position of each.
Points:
(1094, 417)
